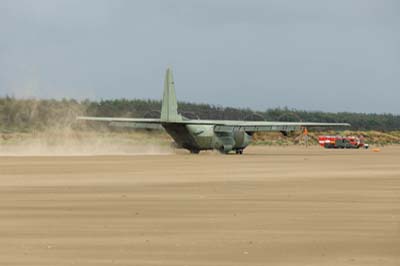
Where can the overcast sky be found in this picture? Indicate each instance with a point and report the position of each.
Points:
(341, 55)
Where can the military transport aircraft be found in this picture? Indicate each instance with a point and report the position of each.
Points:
(196, 135)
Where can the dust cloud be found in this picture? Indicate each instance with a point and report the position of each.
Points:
(69, 142)
(34, 127)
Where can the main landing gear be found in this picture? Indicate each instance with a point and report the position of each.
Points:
(240, 151)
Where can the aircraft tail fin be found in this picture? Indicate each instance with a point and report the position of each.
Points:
(169, 109)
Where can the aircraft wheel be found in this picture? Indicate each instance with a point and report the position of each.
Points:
(194, 151)
(239, 152)
(222, 150)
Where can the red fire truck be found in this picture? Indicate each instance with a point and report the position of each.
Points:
(340, 142)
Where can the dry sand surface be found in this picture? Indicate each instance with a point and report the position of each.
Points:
(271, 206)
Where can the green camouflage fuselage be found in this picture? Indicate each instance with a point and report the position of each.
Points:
(204, 137)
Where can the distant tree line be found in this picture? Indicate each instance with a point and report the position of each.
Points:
(34, 114)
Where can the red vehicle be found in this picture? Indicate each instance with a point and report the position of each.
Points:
(340, 142)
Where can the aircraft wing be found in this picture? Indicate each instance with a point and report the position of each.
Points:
(220, 125)
(120, 119)
(257, 126)
(136, 123)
